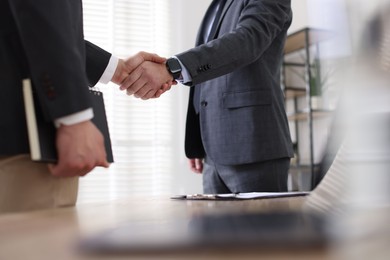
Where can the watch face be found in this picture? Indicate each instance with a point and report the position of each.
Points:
(174, 67)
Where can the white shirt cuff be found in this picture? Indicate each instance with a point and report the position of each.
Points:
(110, 70)
(75, 118)
(185, 75)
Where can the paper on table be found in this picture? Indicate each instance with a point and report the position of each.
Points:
(241, 196)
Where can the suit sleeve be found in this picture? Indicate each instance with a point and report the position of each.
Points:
(52, 37)
(97, 61)
(259, 24)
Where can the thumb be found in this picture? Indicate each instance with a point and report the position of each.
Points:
(153, 57)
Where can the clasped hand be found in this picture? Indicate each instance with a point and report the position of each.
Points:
(143, 75)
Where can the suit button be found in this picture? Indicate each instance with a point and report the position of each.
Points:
(50, 94)
(203, 104)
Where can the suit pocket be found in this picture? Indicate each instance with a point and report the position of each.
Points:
(246, 99)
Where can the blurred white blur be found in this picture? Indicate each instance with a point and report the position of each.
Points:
(361, 225)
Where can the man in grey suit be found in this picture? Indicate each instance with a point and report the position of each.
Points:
(43, 40)
(236, 121)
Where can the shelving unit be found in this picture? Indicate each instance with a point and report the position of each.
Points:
(306, 43)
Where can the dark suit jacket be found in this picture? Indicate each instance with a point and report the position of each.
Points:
(242, 117)
(43, 40)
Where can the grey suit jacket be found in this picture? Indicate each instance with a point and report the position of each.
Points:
(242, 117)
(43, 40)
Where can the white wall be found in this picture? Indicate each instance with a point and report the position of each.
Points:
(188, 16)
(300, 15)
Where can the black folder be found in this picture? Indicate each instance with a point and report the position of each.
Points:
(42, 134)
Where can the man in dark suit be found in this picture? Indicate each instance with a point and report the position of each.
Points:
(236, 118)
(43, 40)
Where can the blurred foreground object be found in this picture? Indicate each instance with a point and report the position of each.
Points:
(362, 213)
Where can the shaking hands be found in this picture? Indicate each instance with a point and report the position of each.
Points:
(143, 75)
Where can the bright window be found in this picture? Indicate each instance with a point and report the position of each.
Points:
(141, 131)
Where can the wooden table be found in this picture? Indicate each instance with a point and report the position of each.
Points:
(52, 234)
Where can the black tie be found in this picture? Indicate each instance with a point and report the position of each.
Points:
(207, 33)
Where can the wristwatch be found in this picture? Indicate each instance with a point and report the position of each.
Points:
(173, 67)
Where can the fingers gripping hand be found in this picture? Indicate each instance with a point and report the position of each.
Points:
(147, 80)
(125, 67)
(163, 89)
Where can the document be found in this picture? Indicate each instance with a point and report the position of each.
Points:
(241, 196)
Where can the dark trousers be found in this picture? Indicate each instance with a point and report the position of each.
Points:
(268, 176)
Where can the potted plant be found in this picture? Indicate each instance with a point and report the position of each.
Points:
(316, 83)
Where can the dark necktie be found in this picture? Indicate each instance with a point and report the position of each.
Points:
(207, 33)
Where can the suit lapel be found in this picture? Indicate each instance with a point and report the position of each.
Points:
(225, 9)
